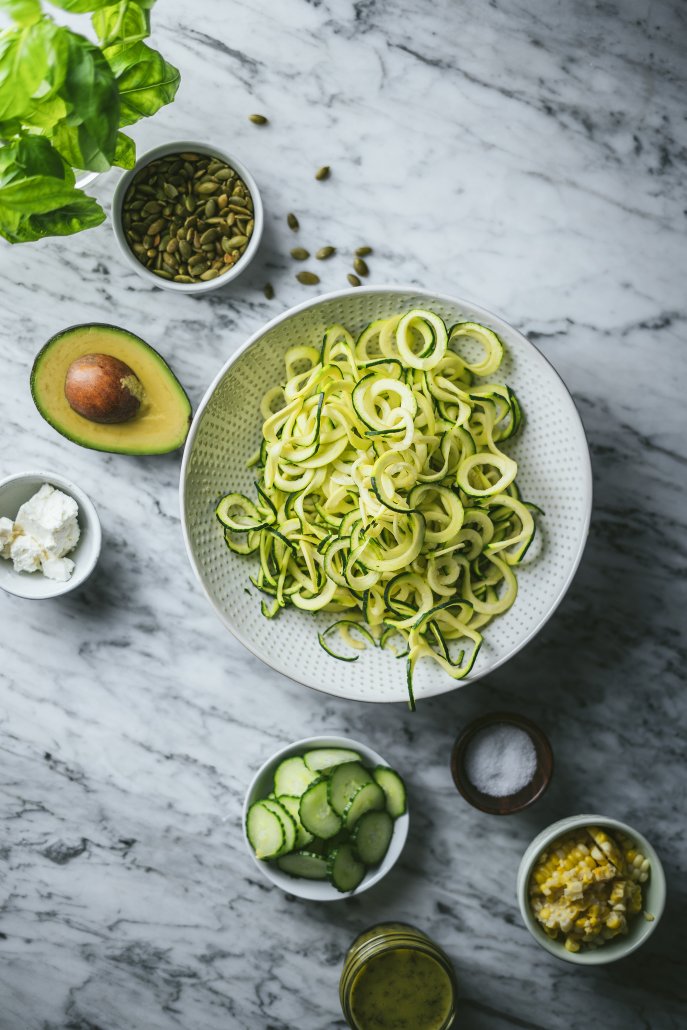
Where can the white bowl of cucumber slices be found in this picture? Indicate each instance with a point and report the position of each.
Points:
(325, 818)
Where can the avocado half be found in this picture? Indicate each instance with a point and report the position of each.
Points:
(164, 416)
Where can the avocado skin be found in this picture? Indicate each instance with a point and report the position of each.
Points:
(79, 434)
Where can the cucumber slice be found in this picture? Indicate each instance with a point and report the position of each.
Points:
(328, 757)
(394, 789)
(292, 805)
(265, 831)
(345, 871)
(345, 781)
(293, 777)
(305, 864)
(288, 823)
(370, 797)
(373, 833)
(316, 814)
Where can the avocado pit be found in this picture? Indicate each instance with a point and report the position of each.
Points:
(101, 388)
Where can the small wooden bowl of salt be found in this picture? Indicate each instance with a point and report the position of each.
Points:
(502, 763)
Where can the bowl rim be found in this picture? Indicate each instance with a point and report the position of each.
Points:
(618, 948)
(268, 327)
(92, 520)
(258, 212)
(401, 824)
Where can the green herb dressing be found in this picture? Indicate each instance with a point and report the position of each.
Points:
(401, 990)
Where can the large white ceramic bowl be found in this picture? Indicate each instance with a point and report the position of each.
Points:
(640, 928)
(320, 890)
(554, 472)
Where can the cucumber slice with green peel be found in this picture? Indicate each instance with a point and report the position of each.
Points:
(293, 777)
(305, 864)
(372, 836)
(327, 757)
(316, 814)
(344, 782)
(394, 789)
(288, 822)
(369, 798)
(292, 805)
(265, 831)
(345, 871)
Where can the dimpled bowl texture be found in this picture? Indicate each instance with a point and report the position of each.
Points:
(320, 890)
(640, 929)
(14, 491)
(554, 473)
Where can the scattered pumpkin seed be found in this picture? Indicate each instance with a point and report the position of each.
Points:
(308, 278)
(324, 252)
(363, 251)
(300, 254)
(258, 119)
(360, 266)
(268, 290)
(353, 279)
(292, 222)
(323, 173)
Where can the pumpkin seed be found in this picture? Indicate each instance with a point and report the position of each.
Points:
(322, 173)
(170, 191)
(162, 273)
(363, 251)
(211, 208)
(360, 266)
(237, 241)
(292, 222)
(324, 252)
(353, 279)
(209, 236)
(258, 119)
(183, 279)
(268, 290)
(300, 254)
(211, 273)
(206, 187)
(308, 278)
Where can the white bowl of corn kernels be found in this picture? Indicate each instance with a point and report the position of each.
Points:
(591, 889)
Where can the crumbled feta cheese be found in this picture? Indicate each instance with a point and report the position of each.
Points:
(45, 530)
(6, 536)
(26, 553)
(50, 517)
(58, 568)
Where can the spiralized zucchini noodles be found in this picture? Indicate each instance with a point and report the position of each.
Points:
(383, 494)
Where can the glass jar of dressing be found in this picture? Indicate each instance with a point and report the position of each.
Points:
(395, 976)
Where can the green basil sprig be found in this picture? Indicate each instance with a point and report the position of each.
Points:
(63, 101)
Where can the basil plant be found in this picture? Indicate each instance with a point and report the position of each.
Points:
(63, 103)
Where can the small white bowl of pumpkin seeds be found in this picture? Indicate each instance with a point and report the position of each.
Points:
(188, 217)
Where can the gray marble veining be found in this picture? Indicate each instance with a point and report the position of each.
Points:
(529, 157)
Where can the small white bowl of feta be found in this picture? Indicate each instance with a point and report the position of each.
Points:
(50, 535)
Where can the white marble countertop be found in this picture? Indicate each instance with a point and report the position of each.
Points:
(529, 157)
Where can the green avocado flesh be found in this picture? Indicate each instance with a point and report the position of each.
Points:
(163, 419)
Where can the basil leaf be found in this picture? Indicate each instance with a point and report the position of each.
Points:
(146, 81)
(125, 153)
(88, 136)
(33, 60)
(82, 212)
(30, 156)
(126, 22)
(23, 12)
(37, 193)
(82, 6)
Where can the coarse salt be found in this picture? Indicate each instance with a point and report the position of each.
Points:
(500, 760)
